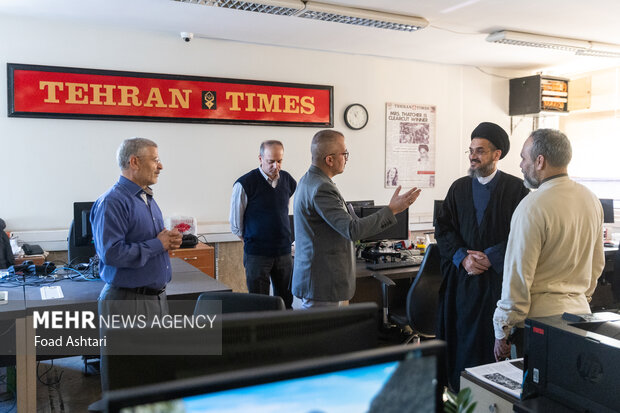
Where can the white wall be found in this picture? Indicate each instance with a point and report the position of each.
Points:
(49, 163)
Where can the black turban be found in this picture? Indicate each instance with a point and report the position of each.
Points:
(494, 134)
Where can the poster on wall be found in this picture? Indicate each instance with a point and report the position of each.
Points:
(77, 93)
(410, 145)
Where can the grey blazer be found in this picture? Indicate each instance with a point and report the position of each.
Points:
(324, 267)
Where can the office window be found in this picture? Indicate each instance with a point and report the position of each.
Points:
(595, 136)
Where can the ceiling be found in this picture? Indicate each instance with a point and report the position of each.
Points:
(455, 35)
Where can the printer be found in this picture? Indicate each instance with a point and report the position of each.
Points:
(574, 360)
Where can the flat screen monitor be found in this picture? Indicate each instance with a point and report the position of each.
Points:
(248, 340)
(357, 206)
(608, 210)
(397, 232)
(81, 247)
(387, 380)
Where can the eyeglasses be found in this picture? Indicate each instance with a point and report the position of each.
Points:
(156, 160)
(477, 151)
(345, 154)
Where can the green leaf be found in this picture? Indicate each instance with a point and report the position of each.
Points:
(471, 407)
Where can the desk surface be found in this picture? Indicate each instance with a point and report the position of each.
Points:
(404, 272)
(15, 304)
(187, 283)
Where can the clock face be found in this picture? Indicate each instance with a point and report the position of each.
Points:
(355, 116)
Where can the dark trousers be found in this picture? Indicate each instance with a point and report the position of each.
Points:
(120, 301)
(259, 270)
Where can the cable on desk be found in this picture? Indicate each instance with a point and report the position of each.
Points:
(87, 276)
(11, 328)
(19, 280)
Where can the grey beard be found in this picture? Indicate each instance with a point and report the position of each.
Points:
(480, 172)
(530, 184)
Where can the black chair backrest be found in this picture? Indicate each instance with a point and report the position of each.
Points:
(615, 276)
(239, 302)
(423, 295)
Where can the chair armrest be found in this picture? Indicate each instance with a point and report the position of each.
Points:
(386, 283)
(383, 279)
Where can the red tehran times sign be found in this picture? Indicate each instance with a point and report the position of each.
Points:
(64, 92)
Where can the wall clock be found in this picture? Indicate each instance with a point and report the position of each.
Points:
(355, 116)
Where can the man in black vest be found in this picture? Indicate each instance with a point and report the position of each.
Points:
(259, 215)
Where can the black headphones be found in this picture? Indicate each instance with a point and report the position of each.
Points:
(28, 268)
(25, 268)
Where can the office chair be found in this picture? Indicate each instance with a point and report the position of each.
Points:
(419, 311)
(239, 302)
(615, 277)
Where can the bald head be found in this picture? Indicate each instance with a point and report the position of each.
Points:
(324, 143)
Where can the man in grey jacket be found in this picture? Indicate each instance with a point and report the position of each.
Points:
(324, 269)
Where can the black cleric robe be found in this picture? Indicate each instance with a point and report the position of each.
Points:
(467, 302)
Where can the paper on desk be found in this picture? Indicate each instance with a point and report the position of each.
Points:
(503, 375)
(49, 293)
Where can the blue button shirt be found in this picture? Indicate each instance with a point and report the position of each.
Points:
(125, 232)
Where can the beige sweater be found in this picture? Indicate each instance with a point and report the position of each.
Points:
(554, 255)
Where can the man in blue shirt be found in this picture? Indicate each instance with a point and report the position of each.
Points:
(130, 239)
(129, 233)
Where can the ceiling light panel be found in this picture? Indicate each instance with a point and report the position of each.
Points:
(597, 53)
(535, 40)
(579, 47)
(278, 7)
(362, 17)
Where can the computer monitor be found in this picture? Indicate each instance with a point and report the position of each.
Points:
(437, 205)
(386, 380)
(608, 210)
(397, 232)
(248, 340)
(81, 247)
(357, 206)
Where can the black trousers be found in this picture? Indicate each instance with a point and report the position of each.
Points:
(260, 270)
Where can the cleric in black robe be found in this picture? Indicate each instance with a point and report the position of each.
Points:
(471, 232)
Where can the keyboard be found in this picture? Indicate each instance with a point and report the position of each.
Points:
(416, 260)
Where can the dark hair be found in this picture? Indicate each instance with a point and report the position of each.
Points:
(553, 145)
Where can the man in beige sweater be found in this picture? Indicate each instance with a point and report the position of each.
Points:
(555, 251)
